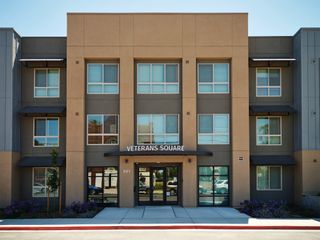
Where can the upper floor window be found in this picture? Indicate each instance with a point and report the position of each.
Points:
(268, 130)
(268, 82)
(46, 132)
(102, 78)
(213, 78)
(102, 129)
(46, 83)
(269, 178)
(158, 129)
(213, 129)
(157, 78)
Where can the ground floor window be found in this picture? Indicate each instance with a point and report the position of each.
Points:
(103, 185)
(269, 178)
(213, 187)
(39, 181)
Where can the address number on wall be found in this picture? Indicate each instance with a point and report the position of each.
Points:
(126, 171)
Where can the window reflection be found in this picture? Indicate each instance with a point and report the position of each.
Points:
(213, 186)
(103, 185)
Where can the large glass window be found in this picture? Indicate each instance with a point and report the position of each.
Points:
(102, 78)
(213, 78)
(157, 129)
(39, 182)
(103, 185)
(268, 82)
(46, 132)
(102, 129)
(46, 83)
(213, 186)
(161, 78)
(213, 129)
(269, 177)
(268, 130)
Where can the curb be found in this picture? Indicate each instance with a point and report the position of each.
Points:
(155, 227)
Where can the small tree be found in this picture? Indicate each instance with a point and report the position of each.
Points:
(53, 181)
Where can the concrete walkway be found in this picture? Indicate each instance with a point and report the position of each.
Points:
(172, 214)
(161, 216)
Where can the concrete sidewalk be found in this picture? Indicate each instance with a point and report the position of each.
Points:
(163, 217)
(172, 214)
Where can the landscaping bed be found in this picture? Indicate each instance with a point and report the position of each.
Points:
(30, 209)
(275, 209)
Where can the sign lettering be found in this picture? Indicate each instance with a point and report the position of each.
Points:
(155, 148)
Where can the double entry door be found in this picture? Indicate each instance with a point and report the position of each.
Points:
(157, 185)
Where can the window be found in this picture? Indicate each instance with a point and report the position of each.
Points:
(269, 178)
(213, 129)
(39, 182)
(161, 78)
(268, 82)
(46, 132)
(103, 78)
(213, 186)
(46, 83)
(103, 185)
(102, 129)
(213, 78)
(269, 130)
(157, 129)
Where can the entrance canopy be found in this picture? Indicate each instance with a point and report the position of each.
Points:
(157, 153)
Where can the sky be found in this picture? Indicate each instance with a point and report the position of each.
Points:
(266, 17)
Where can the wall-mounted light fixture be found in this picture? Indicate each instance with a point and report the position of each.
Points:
(126, 160)
(189, 160)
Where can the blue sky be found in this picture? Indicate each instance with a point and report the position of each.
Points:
(266, 17)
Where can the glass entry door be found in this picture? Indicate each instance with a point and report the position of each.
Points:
(157, 185)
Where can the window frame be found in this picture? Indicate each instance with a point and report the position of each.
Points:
(269, 135)
(213, 185)
(46, 87)
(103, 176)
(151, 134)
(33, 132)
(213, 82)
(212, 134)
(268, 86)
(103, 83)
(269, 182)
(45, 185)
(150, 83)
(103, 134)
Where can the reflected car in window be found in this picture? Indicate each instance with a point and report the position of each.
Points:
(93, 190)
(172, 187)
(221, 186)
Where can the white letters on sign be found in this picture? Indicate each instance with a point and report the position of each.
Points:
(155, 148)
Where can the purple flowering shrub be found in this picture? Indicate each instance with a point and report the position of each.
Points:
(19, 208)
(265, 209)
(78, 207)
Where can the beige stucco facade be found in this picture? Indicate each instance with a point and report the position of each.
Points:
(9, 179)
(307, 176)
(184, 37)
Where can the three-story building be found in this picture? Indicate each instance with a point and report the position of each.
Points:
(160, 109)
